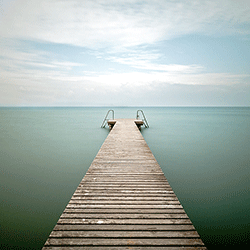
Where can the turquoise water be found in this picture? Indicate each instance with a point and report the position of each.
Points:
(204, 153)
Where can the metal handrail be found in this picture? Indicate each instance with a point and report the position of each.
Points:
(105, 121)
(145, 122)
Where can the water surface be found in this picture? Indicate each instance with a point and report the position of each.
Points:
(204, 153)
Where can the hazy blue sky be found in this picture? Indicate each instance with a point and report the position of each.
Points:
(129, 52)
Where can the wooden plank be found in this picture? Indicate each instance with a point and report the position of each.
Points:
(122, 216)
(124, 188)
(123, 198)
(125, 178)
(127, 190)
(123, 191)
(108, 206)
(125, 211)
(124, 202)
(105, 227)
(124, 242)
(125, 221)
(119, 194)
(126, 247)
(127, 186)
(124, 234)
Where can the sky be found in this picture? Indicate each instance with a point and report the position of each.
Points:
(124, 53)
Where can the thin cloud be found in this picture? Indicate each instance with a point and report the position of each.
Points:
(122, 23)
(12, 59)
(57, 88)
(150, 79)
(148, 59)
(119, 53)
(145, 64)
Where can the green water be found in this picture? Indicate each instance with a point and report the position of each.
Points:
(45, 152)
(205, 155)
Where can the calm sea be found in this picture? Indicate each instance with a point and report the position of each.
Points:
(204, 153)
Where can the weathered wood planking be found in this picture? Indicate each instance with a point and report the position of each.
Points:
(124, 202)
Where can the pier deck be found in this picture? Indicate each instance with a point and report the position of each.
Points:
(124, 202)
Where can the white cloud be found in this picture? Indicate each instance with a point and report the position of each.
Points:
(38, 87)
(121, 23)
(33, 78)
(151, 79)
(146, 64)
(118, 33)
(14, 59)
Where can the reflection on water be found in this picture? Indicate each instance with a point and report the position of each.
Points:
(204, 153)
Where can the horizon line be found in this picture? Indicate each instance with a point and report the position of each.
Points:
(125, 106)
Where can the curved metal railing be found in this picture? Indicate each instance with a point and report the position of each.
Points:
(105, 121)
(143, 119)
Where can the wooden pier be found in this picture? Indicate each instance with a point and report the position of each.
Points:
(124, 202)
